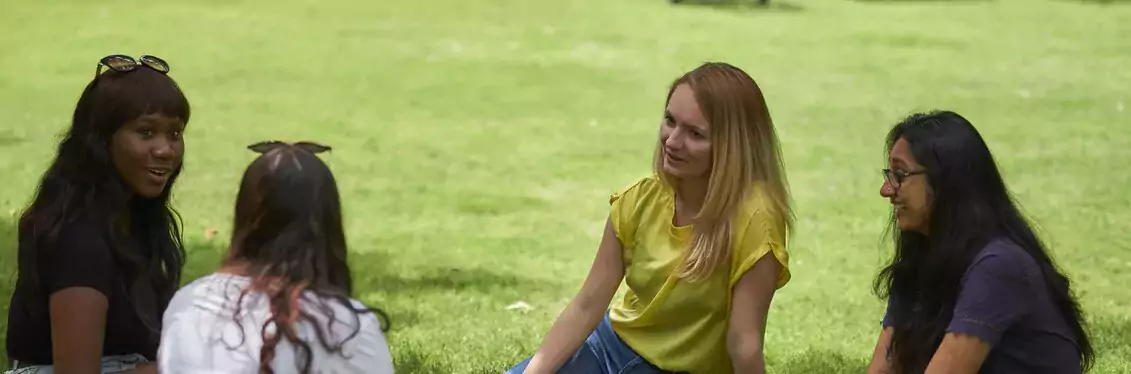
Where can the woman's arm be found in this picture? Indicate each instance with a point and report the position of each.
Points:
(1000, 274)
(78, 319)
(880, 363)
(144, 368)
(959, 354)
(749, 309)
(585, 311)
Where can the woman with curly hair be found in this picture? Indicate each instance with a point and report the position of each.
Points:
(281, 302)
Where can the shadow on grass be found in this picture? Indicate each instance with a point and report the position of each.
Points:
(743, 5)
(471, 280)
(924, 1)
(372, 273)
(819, 361)
(369, 272)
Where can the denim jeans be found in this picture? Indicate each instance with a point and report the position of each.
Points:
(603, 352)
(110, 364)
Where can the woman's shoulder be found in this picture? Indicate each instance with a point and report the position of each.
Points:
(73, 254)
(66, 234)
(641, 187)
(758, 208)
(215, 293)
(222, 294)
(367, 349)
(1005, 258)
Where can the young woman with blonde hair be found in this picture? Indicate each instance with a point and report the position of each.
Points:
(701, 245)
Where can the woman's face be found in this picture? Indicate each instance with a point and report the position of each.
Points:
(906, 187)
(146, 152)
(685, 136)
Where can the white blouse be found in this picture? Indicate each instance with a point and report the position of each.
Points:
(200, 334)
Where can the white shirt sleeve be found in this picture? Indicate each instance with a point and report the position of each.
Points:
(368, 352)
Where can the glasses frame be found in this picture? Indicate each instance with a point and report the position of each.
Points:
(895, 177)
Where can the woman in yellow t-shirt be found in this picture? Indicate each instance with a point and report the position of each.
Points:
(700, 245)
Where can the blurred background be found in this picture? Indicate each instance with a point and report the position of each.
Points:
(476, 142)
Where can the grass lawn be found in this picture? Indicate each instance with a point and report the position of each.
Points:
(476, 142)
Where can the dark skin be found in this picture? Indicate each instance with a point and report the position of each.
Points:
(145, 152)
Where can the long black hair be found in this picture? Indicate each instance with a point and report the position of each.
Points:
(82, 185)
(288, 233)
(970, 206)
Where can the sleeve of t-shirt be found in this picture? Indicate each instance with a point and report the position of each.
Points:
(622, 211)
(79, 258)
(994, 295)
(887, 321)
(372, 353)
(763, 235)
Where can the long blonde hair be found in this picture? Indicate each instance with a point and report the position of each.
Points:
(744, 154)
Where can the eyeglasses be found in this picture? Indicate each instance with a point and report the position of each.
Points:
(124, 64)
(895, 177)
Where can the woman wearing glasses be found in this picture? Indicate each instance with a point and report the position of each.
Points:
(281, 303)
(700, 244)
(970, 288)
(100, 250)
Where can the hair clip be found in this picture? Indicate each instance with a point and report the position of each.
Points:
(314, 148)
(267, 146)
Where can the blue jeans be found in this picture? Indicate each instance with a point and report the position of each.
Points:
(110, 364)
(602, 352)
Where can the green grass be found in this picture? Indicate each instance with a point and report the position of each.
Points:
(476, 142)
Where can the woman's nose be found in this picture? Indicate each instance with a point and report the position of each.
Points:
(887, 190)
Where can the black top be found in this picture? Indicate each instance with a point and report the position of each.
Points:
(81, 258)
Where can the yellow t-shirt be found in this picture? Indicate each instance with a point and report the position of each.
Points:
(676, 324)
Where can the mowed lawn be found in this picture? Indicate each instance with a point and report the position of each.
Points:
(476, 142)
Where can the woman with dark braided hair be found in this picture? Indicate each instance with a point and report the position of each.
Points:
(281, 302)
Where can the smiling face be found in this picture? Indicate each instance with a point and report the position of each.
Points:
(685, 140)
(147, 151)
(907, 189)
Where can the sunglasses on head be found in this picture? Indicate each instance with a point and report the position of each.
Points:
(124, 64)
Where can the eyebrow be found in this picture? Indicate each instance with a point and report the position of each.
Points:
(899, 162)
(668, 114)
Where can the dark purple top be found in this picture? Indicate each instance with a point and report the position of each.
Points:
(1004, 301)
